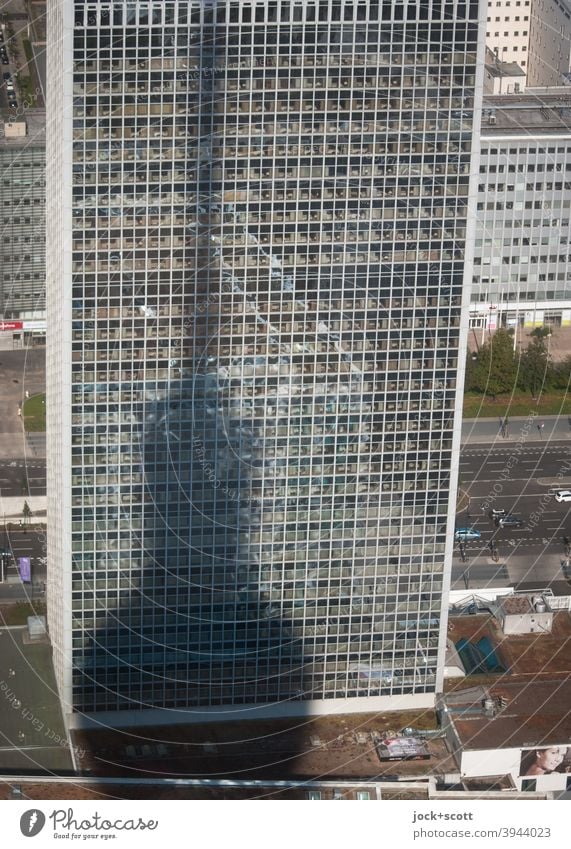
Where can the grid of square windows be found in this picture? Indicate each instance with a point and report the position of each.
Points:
(522, 248)
(23, 238)
(269, 216)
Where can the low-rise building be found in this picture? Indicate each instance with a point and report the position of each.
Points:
(520, 730)
(525, 614)
(22, 213)
(522, 257)
(502, 77)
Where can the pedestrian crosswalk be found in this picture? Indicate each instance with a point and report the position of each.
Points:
(503, 450)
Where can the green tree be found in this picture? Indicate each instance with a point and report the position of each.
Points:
(471, 359)
(26, 513)
(540, 332)
(561, 374)
(495, 368)
(534, 372)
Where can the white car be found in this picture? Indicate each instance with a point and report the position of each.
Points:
(563, 495)
(466, 534)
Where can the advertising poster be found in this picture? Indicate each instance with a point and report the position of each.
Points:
(25, 569)
(545, 760)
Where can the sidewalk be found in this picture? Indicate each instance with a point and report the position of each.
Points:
(14, 446)
(12, 505)
(519, 429)
(537, 570)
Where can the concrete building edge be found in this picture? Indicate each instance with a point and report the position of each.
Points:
(59, 342)
(462, 347)
(237, 713)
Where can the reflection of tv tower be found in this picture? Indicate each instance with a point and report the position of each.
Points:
(259, 421)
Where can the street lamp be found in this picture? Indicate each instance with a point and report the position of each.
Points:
(491, 308)
(5, 557)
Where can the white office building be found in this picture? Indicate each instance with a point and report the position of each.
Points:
(549, 62)
(522, 262)
(507, 30)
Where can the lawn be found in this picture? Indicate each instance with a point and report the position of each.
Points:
(26, 89)
(28, 50)
(552, 402)
(17, 614)
(34, 413)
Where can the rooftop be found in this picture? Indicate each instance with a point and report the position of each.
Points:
(504, 69)
(536, 713)
(520, 604)
(313, 747)
(526, 113)
(35, 120)
(541, 656)
(516, 604)
(18, 787)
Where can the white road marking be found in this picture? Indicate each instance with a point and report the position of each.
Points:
(538, 494)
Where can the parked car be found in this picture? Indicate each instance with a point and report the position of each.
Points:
(563, 495)
(465, 534)
(496, 512)
(509, 521)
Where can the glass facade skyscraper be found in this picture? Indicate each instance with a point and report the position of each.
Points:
(256, 311)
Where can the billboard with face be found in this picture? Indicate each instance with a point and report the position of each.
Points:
(544, 760)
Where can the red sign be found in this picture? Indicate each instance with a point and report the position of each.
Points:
(11, 325)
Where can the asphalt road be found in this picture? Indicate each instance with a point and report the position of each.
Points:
(22, 471)
(23, 543)
(21, 371)
(522, 481)
(22, 477)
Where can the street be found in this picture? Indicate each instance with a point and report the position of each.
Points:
(521, 480)
(23, 542)
(22, 477)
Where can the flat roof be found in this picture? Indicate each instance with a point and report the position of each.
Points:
(308, 747)
(36, 128)
(488, 783)
(516, 604)
(540, 655)
(525, 113)
(536, 713)
(520, 604)
(15, 787)
(504, 69)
